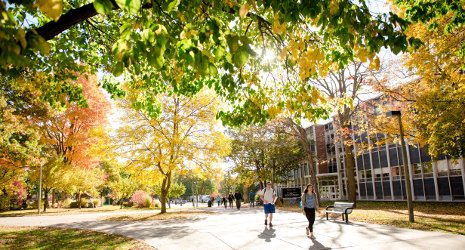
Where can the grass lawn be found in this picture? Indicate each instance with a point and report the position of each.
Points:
(429, 216)
(176, 214)
(61, 211)
(59, 238)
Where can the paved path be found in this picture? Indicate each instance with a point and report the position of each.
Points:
(244, 229)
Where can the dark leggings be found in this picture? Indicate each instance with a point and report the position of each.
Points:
(310, 213)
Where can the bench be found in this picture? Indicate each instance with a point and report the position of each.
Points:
(343, 208)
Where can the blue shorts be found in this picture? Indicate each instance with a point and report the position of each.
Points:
(269, 208)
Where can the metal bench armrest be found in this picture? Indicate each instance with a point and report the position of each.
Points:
(348, 210)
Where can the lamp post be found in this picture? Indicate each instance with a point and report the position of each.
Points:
(40, 189)
(408, 187)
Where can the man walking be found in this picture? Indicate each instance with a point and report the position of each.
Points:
(268, 196)
(251, 199)
(238, 197)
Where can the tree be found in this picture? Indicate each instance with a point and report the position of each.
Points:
(191, 44)
(123, 185)
(21, 101)
(343, 89)
(80, 180)
(184, 134)
(263, 153)
(68, 131)
(431, 99)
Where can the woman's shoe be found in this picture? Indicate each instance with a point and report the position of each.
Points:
(308, 230)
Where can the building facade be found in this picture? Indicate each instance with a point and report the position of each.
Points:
(378, 169)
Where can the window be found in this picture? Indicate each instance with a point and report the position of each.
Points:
(417, 171)
(395, 172)
(442, 168)
(368, 174)
(361, 174)
(427, 169)
(455, 168)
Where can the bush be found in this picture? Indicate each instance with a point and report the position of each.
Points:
(96, 202)
(73, 204)
(156, 204)
(4, 203)
(148, 202)
(84, 202)
(33, 204)
(66, 203)
(141, 199)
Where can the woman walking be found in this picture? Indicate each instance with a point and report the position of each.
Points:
(308, 207)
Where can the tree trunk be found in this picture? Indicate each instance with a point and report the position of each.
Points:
(79, 199)
(46, 190)
(302, 134)
(350, 169)
(165, 186)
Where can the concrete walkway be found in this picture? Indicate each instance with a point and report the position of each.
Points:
(245, 229)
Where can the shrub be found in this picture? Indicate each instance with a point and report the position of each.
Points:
(96, 202)
(156, 204)
(33, 204)
(148, 202)
(84, 202)
(66, 203)
(141, 199)
(4, 203)
(73, 204)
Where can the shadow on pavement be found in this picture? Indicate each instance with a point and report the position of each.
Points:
(317, 245)
(267, 234)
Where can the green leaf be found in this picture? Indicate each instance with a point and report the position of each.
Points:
(51, 8)
(131, 6)
(240, 57)
(118, 69)
(173, 5)
(103, 6)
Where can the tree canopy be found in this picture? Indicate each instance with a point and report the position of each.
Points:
(191, 44)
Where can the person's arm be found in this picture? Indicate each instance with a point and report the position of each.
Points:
(262, 197)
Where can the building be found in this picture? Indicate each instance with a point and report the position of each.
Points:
(378, 167)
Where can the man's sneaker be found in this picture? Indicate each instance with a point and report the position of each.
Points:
(271, 225)
(266, 222)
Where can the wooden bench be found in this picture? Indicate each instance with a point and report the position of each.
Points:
(343, 208)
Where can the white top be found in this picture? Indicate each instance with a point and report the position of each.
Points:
(268, 195)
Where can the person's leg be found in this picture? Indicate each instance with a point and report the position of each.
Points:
(265, 208)
(310, 214)
(272, 211)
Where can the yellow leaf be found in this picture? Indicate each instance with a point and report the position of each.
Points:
(375, 63)
(278, 28)
(51, 8)
(21, 35)
(333, 7)
(244, 10)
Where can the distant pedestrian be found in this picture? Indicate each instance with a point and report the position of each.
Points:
(268, 196)
(230, 199)
(218, 200)
(238, 197)
(225, 202)
(251, 199)
(308, 208)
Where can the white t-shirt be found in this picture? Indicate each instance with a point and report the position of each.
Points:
(268, 195)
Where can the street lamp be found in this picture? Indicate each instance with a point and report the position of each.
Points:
(404, 162)
(40, 190)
